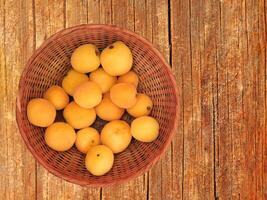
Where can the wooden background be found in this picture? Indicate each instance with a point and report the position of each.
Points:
(217, 49)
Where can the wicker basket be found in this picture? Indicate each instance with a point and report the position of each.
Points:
(48, 65)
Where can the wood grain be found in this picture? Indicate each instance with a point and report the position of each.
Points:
(181, 51)
(217, 49)
(16, 46)
(228, 99)
(3, 147)
(253, 99)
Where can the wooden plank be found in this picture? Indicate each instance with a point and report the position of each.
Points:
(76, 12)
(253, 100)
(241, 99)
(261, 97)
(16, 45)
(231, 148)
(3, 93)
(49, 17)
(203, 40)
(263, 14)
(181, 62)
(179, 57)
(123, 13)
(93, 12)
(209, 85)
(201, 76)
(105, 12)
(224, 137)
(80, 12)
(196, 73)
(159, 186)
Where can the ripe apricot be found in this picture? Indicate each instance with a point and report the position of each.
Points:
(88, 94)
(123, 95)
(129, 77)
(57, 96)
(142, 107)
(85, 58)
(103, 79)
(41, 112)
(72, 80)
(87, 138)
(116, 135)
(60, 136)
(145, 129)
(79, 117)
(99, 160)
(107, 110)
(116, 59)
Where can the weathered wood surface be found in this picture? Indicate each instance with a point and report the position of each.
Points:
(217, 50)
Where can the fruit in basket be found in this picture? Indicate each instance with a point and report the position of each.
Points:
(107, 110)
(41, 112)
(88, 94)
(116, 59)
(142, 107)
(99, 160)
(116, 135)
(103, 79)
(87, 138)
(85, 58)
(118, 95)
(57, 96)
(123, 95)
(129, 77)
(60, 136)
(72, 80)
(79, 117)
(145, 129)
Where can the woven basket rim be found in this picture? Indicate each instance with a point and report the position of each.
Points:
(115, 28)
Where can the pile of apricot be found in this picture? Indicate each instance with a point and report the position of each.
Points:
(108, 92)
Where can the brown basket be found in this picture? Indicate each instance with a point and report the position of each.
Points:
(48, 65)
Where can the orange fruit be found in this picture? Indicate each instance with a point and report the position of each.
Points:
(41, 112)
(116, 135)
(99, 160)
(123, 95)
(145, 129)
(88, 94)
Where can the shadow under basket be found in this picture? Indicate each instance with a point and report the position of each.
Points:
(47, 67)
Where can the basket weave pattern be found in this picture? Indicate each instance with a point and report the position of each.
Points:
(47, 67)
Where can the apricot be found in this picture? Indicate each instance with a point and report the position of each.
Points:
(41, 112)
(116, 135)
(99, 160)
(123, 95)
(145, 129)
(107, 110)
(87, 138)
(88, 94)
(142, 107)
(103, 79)
(129, 77)
(72, 80)
(85, 58)
(79, 117)
(60, 136)
(57, 96)
(116, 59)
